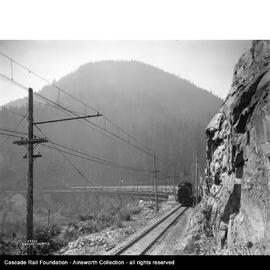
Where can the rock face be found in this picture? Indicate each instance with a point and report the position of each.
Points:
(237, 186)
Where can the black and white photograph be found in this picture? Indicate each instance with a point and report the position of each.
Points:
(133, 148)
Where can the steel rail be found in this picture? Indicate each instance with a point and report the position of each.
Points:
(131, 243)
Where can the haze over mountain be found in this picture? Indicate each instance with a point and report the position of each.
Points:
(164, 112)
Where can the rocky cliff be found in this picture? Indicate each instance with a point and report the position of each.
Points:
(235, 212)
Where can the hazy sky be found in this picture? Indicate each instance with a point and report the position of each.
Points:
(208, 64)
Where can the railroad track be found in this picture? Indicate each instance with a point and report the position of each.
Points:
(141, 243)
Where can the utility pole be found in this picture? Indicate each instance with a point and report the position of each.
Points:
(98, 202)
(197, 181)
(49, 213)
(120, 198)
(30, 157)
(193, 186)
(174, 184)
(155, 182)
(30, 141)
(30, 150)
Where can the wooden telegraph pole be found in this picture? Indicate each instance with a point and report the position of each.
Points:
(196, 179)
(155, 182)
(174, 191)
(193, 186)
(30, 153)
(30, 141)
(49, 214)
(30, 158)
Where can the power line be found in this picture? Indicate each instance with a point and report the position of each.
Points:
(5, 140)
(108, 163)
(76, 151)
(10, 135)
(47, 81)
(30, 142)
(148, 151)
(13, 131)
(97, 126)
(70, 162)
(102, 129)
(9, 110)
(65, 110)
(52, 106)
(62, 108)
(73, 166)
(89, 156)
(16, 132)
(98, 159)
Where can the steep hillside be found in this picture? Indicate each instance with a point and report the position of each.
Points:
(161, 110)
(235, 210)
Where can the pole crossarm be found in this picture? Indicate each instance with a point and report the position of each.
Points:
(66, 119)
(155, 171)
(31, 141)
(34, 156)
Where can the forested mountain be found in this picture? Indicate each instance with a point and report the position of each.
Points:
(164, 112)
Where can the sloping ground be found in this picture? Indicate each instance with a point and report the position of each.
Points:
(234, 216)
(86, 234)
(100, 242)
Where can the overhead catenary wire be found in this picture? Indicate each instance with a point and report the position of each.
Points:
(10, 135)
(73, 166)
(66, 110)
(147, 150)
(11, 111)
(97, 126)
(95, 158)
(61, 108)
(53, 106)
(110, 164)
(92, 156)
(70, 162)
(30, 156)
(101, 160)
(79, 154)
(13, 131)
(5, 140)
(47, 81)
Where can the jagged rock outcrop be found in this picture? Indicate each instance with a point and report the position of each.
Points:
(238, 157)
(237, 184)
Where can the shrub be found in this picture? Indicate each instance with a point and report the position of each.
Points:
(85, 217)
(125, 214)
(48, 235)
